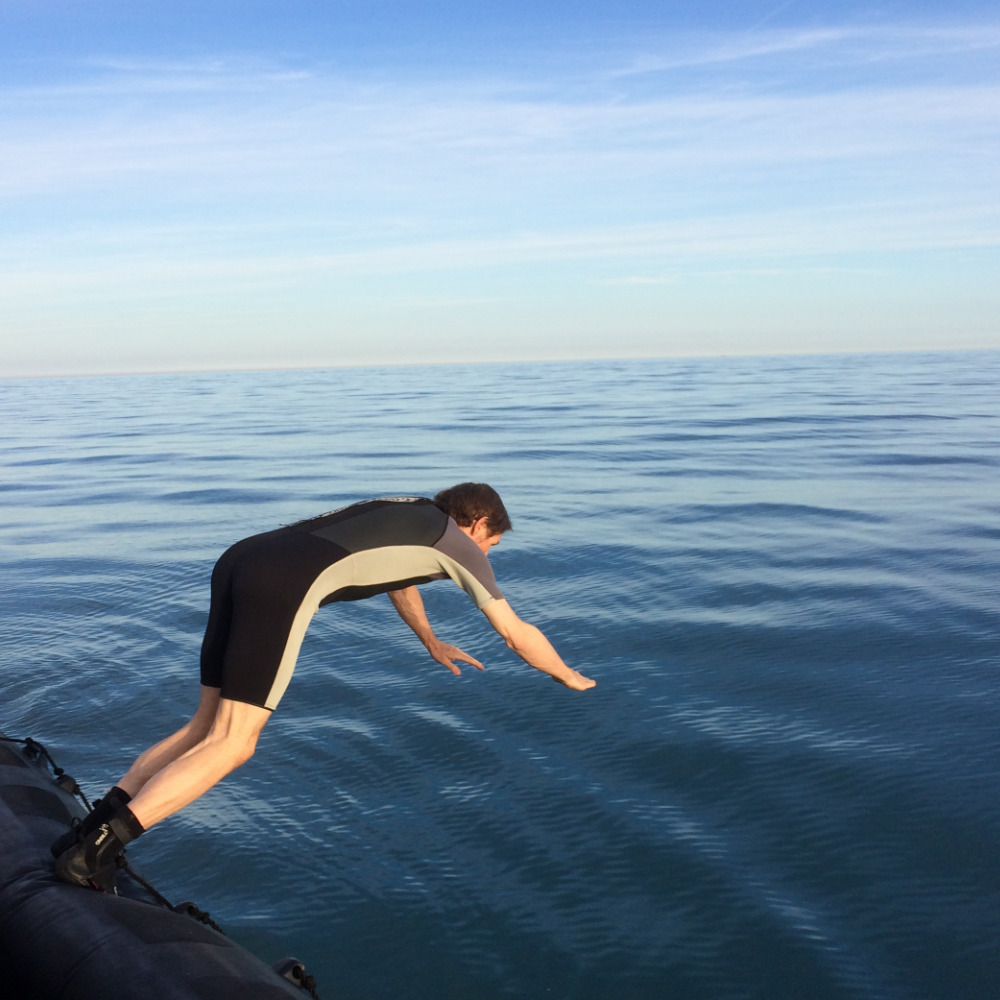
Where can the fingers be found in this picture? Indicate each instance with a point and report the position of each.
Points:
(459, 654)
(576, 683)
(446, 654)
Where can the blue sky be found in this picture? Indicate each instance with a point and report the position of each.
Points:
(282, 184)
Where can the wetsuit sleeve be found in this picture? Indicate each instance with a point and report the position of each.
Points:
(466, 564)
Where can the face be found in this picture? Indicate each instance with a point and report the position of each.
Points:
(480, 533)
(487, 543)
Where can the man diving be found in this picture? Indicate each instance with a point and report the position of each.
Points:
(265, 590)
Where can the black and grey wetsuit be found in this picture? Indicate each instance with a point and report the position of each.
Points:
(266, 588)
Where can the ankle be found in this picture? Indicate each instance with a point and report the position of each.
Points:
(125, 826)
(118, 794)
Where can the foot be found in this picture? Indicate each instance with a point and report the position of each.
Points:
(72, 867)
(91, 862)
(103, 810)
(65, 841)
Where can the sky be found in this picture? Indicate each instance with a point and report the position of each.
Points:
(264, 184)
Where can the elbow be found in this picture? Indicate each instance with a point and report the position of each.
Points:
(514, 647)
(519, 636)
(520, 641)
(510, 640)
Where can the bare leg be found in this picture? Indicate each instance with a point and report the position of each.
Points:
(230, 742)
(167, 777)
(167, 751)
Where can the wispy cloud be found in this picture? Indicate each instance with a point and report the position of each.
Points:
(325, 132)
(825, 47)
(806, 240)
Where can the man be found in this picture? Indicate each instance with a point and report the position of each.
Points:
(265, 590)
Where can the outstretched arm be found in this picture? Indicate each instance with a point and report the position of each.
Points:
(531, 645)
(410, 606)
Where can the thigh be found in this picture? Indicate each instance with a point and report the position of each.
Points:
(220, 614)
(267, 614)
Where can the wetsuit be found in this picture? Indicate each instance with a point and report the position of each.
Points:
(266, 588)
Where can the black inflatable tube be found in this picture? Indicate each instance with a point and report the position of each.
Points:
(60, 942)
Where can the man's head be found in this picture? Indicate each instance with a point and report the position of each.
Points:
(477, 508)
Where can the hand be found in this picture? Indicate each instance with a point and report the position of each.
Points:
(445, 654)
(576, 681)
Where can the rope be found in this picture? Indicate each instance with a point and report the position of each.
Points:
(292, 970)
(188, 909)
(35, 751)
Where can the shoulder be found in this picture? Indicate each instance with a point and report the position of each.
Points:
(470, 562)
(381, 522)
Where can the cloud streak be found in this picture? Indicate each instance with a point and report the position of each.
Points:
(801, 238)
(325, 132)
(849, 45)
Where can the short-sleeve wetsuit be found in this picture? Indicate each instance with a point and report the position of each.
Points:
(266, 588)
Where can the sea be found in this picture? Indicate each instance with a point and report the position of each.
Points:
(782, 573)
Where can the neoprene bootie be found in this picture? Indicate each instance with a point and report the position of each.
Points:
(103, 810)
(89, 862)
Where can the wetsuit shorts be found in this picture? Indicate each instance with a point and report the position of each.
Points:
(266, 588)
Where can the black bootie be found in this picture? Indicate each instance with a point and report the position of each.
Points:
(103, 810)
(91, 862)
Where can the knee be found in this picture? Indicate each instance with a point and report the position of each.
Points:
(199, 729)
(244, 752)
(237, 751)
(235, 731)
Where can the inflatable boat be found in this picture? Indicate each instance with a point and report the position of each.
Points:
(61, 942)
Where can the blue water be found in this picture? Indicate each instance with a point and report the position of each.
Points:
(782, 572)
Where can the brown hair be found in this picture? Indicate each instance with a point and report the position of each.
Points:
(468, 502)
